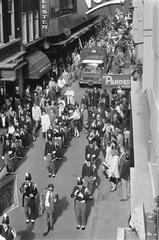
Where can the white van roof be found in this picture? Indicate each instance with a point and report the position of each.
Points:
(97, 61)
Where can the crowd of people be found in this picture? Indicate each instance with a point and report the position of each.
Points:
(103, 118)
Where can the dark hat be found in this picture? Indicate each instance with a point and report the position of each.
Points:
(79, 181)
(50, 186)
(90, 139)
(28, 176)
(5, 219)
(49, 138)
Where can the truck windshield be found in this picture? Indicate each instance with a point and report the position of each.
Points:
(92, 67)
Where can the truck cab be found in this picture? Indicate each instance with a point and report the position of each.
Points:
(92, 67)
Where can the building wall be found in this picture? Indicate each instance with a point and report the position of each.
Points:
(147, 11)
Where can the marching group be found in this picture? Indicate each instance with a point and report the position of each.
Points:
(103, 117)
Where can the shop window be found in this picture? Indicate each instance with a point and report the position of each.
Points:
(1, 23)
(36, 23)
(11, 28)
(30, 21)
(24, 28)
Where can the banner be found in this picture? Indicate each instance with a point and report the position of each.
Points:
(8, 194)
(116, 81)
(44, 16)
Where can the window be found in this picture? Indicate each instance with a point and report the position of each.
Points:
(36, 23)
(11, 19)
(1, 24)
(24, 28)
(30, 19)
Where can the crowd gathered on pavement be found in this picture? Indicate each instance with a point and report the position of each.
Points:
(104, 118)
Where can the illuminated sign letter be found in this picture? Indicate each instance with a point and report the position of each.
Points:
(108, 80)
(89, 3)
(97, 1)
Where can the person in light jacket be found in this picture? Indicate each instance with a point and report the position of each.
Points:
(114, 173)
(70, 96)
(45, 122)
(36, 115)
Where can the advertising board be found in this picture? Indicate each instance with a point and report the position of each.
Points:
(116, 81)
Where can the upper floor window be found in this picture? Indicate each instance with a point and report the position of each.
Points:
(24, 27)
(30, 24)
(1, 23)
(67, 6)
(11, 28)
(36, 24)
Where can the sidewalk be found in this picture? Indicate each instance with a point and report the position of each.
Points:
(110, 213)
(1, 161)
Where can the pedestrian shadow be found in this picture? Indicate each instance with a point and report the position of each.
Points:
(90, 204)
(60, 162)
(26, 234)
(98, 181)
(98, 163)
(18, 162)
(62, 206)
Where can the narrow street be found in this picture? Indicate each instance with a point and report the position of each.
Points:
(104, 211)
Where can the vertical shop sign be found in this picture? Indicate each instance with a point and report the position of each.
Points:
(44, 16)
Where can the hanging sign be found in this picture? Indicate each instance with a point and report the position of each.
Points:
(116, 81)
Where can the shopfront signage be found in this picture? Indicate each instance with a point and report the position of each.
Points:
(93, 5)
(117, 80)
(45, 16)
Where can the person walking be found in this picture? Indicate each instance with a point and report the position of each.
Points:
(29, 191)
(4, 122)
(49, 200)
(50, 155)
(80, 194)
(45, 122)
(89, 174)
(6, 231)
(124, 170)
(113, 173)
(85, 119)
(36, 115)
(8, 155)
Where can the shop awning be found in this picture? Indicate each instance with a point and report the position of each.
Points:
(10, 74)
(38, 65)
(75, 35)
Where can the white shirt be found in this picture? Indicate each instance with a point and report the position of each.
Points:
(61, 83)
(47, 199)
(3, 121)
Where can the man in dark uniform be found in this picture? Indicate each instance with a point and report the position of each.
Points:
(6, 231)
(29, 191)
(64, 126)
(57, 135)
(8, 153)
(80, 194)
(89, 174)
(95, 97)
(89, 149)
(50, 155)
(18, 144)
